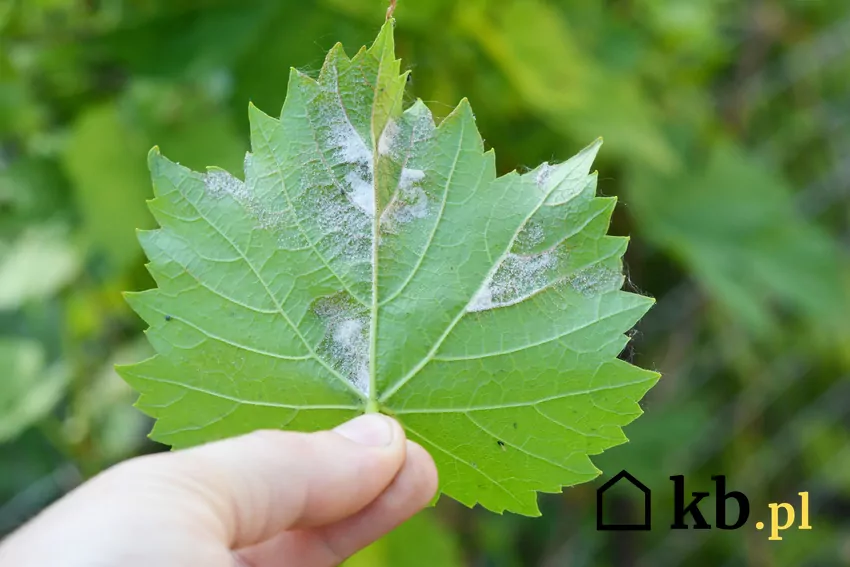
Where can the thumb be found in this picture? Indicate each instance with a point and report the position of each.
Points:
(262, 483)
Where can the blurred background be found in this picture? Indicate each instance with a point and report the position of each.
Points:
(727, 140)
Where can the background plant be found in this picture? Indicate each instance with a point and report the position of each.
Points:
(726, 140)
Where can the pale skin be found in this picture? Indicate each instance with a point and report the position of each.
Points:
(266, 499)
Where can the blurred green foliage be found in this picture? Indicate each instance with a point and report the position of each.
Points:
(726, 140)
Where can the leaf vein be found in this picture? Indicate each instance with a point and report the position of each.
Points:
(280, 310)
(235, 344)
(242, 401)
(468, 464)
(538, 343)
(525, 403)
(518, 448)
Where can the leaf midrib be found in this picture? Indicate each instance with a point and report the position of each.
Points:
(371, 404)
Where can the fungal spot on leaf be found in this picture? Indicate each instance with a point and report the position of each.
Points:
(354, 153)
(350, 149)
(346, 341)
(336, 192)
(411, 201)
(220, 183)
(361, 192)
(530, 236)
(595, 280)
(388, 138)
(543, 173)
(516, 279)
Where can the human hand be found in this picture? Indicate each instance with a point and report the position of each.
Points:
(269, 498)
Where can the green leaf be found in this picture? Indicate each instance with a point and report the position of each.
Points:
(733, 223)
(373, 261)
(29, 389)
(539, 53)
(111, 183)
(36, 265)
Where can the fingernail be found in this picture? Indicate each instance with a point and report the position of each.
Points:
(371, 429)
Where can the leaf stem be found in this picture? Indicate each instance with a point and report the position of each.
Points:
(391, 8)
(372, 405)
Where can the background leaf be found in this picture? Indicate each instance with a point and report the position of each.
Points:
(35, 389)
(734, 224)
(36, 265)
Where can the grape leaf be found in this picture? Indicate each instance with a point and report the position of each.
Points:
(373, 261)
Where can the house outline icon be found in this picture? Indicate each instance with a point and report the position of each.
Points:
(601, 525)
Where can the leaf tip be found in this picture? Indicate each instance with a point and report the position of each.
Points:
(535, 513)
(153, 156)
(463, 110)
(387, 29)
(592, 149)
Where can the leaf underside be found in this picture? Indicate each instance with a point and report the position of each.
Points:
(372, 260)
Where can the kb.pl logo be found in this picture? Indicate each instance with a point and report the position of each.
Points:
(686, 513)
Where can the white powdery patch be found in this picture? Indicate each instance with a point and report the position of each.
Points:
(361, 192)
(346, 227)
(346, 341)
(275, 218)
(336, 195)
(531, 235)
(414, 198)
(401, 138)
(351, 343)
(410, 203)
(543, 173)
(410, 177)
(595, 280)
(387, 141)
(220, 183)
(516, 278)
(352, 150)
